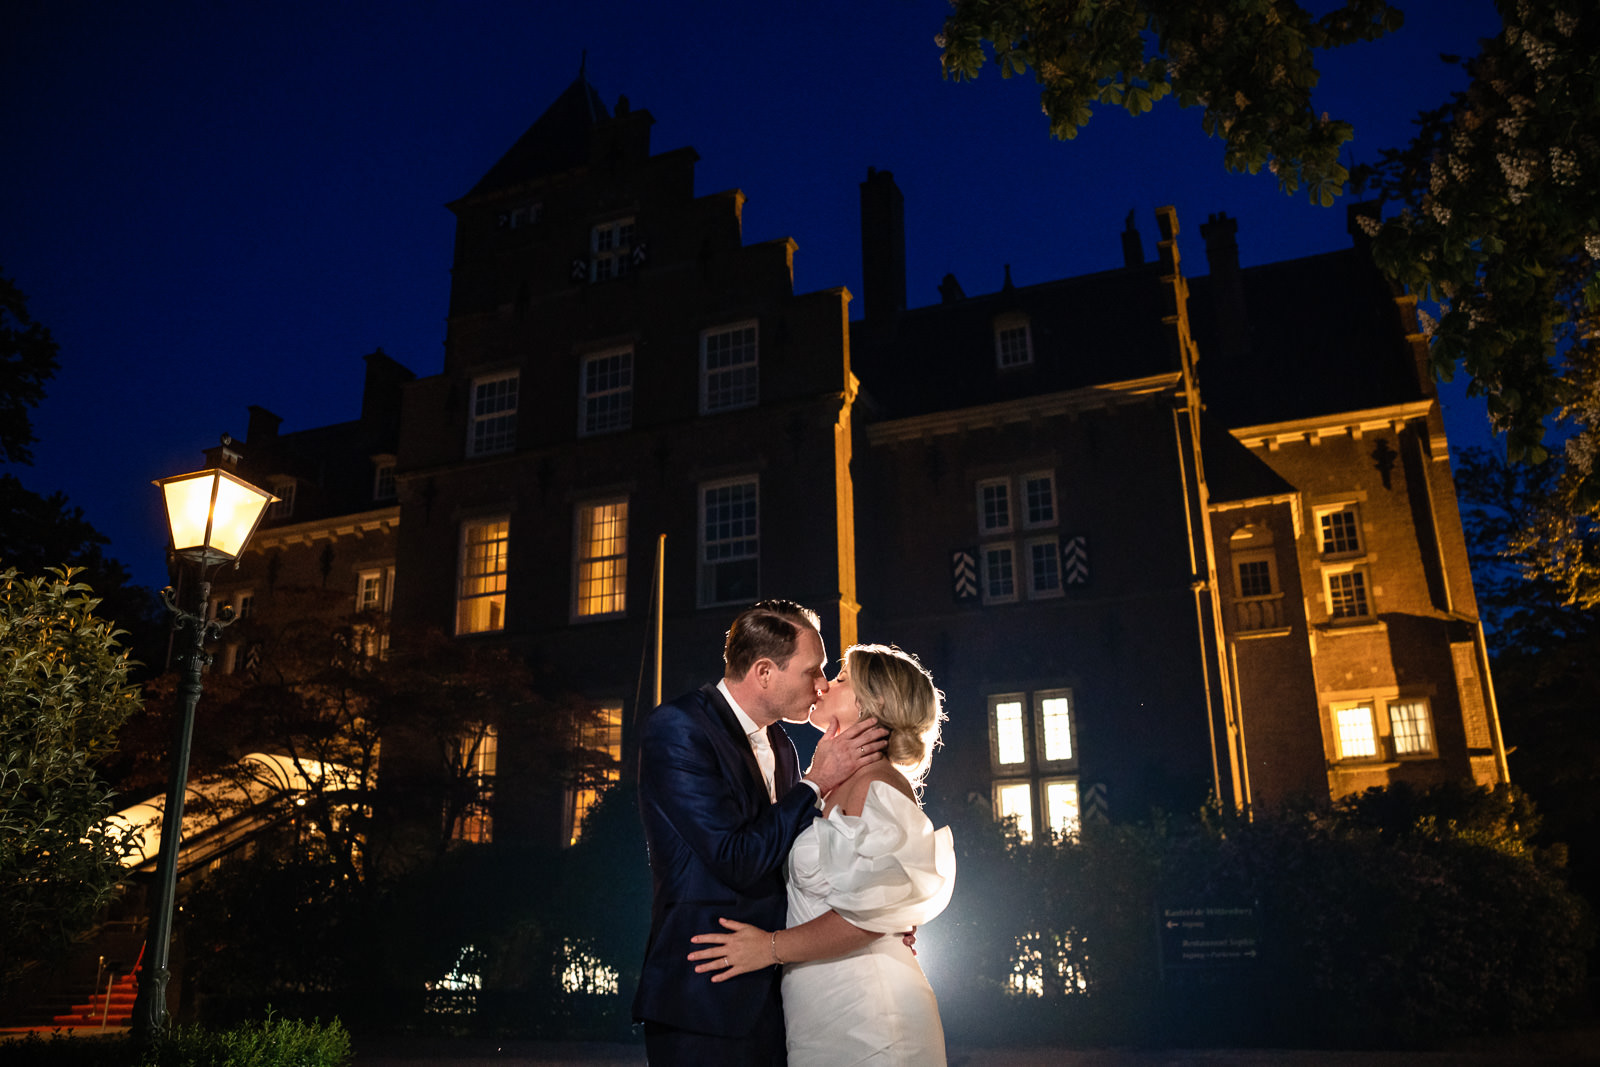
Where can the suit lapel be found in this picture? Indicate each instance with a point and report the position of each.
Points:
(741, 743)
(788, 769)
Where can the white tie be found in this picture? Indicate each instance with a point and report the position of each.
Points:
(765, 759)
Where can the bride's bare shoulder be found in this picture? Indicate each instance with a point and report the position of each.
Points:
(854, 790)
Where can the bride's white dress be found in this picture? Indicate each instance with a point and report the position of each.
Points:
(888, 870)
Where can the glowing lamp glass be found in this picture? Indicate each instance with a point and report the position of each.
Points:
(212, 513)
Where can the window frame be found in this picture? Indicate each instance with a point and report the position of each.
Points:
(994, 548)
(381, 468)
(1024, 508)
(1041, 729)
(984, 529)
(1076, 823)
(1335, 711)
(503, 438)
(285, 489)
(462, 598)
(581, 524)
(477, 759)
(706, 569)
(581, 796)
(1030, 811)
(1360, 574)
(1353, 509)
(752, 365)
(1053, 544)
(1025, 764)
(1432, 751)
(588, 414)
(1008, 324)
(618, 254)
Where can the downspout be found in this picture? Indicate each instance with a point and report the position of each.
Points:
(1199, 612)
(1188, 356)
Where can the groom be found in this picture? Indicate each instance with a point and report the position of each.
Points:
(722, 800)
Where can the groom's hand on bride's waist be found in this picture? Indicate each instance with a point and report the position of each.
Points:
(841, 754)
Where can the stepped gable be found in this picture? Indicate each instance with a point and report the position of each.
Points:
(1324, 336)
(1089, 330)
(557, 141)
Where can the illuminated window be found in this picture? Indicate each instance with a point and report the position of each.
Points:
(994, 506)
(730, 541)
(492, 426)
(1411, 727)
(1038, 499)
(728, 368)
(999, 574)
(1339, 531)
(383, 484)
(1055, 725)
(1010, 736)
(611, 250)
(602, 558)
(1061, 813)
(1014, 801)
(1013, 340)
(1347, 594)
(607, 384)
(1032, 741)
(477, 758)
(599, 755)
(481, 597)
(1356, 734)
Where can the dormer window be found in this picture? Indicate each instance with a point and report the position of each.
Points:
(1013, 340)
(611, 250)
(283, 507)
(518, 218)
(383, 484)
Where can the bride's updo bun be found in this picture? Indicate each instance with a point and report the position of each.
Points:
(892, 687)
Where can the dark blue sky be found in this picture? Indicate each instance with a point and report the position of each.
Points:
(213, 205)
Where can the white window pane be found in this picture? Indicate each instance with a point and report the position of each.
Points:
(1412, 729)
(1057, 728)
(1014, 800)
(1061, 807)
(1010, 746)
(1357, 738)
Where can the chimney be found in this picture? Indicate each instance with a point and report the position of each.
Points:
(883, 247)
(1132, 245)
(380, 394)
(1227, 287)
(950, 290)
(263, 425)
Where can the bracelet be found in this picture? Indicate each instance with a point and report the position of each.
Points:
(776, 962)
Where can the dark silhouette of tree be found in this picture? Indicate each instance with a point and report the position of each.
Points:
(27, 361)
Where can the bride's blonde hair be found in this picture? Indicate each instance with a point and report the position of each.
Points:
(892, 687)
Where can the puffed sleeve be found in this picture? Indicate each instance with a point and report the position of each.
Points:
(887, 869)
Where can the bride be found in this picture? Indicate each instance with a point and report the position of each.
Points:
(874, 860)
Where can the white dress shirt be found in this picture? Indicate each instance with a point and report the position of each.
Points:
(760, 744)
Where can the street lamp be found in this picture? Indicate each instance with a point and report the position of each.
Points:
(211, 515)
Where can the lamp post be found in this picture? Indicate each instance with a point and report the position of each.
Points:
(211, 515)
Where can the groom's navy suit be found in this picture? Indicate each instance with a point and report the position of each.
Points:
(717, 850)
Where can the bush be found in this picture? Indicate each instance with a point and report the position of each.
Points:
(273, 1042)
(1400, 917)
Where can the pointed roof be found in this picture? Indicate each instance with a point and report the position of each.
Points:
(558, 141)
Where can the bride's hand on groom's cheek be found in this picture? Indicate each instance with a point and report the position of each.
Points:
(839, 755)
(742, 949)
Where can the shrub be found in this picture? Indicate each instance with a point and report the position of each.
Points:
(273, 1042)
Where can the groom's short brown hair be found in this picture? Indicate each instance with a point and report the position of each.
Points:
(767, 629)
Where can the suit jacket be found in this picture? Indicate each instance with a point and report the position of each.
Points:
(717, 850)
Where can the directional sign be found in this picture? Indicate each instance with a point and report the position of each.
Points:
(1209, 935)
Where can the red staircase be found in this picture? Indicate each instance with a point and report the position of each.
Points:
(111, 1007)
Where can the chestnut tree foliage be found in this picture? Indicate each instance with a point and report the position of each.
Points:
(1492, 212)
